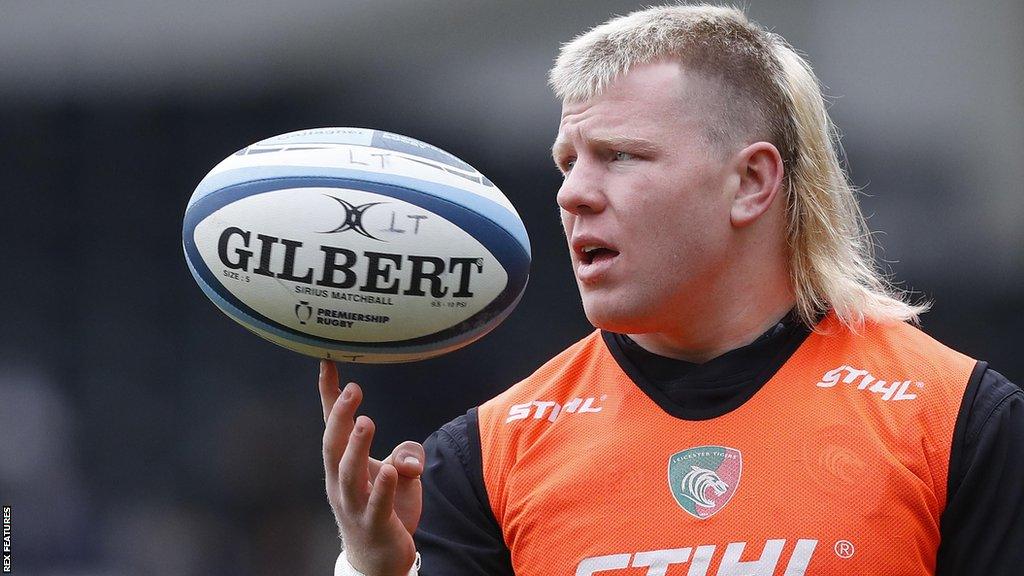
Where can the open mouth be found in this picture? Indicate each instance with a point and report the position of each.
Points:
(594, 254)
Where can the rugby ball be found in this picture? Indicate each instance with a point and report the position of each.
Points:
(356, 245)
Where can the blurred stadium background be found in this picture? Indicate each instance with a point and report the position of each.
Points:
(145, 433)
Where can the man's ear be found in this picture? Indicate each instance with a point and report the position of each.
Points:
(760, 170)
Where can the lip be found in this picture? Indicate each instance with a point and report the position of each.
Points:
(590, 271)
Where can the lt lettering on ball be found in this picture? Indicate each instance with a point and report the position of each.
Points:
(336, 270)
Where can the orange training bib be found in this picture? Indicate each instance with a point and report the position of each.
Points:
(836, 466)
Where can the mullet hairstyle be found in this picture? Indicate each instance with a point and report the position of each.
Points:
(766, 91)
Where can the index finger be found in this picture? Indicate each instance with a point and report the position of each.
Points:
(328, 384)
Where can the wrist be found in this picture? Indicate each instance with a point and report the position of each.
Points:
(343, 568)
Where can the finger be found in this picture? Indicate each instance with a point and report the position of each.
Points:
(408, 501)
(373, 465)
(328, 383)
(353, 476)
(408, 459)
(382, 498)
(339, 428)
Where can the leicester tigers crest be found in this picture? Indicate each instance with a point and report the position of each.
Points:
(703, 479)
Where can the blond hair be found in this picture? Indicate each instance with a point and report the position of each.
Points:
(770, 93)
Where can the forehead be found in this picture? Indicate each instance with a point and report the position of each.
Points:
(650, 100)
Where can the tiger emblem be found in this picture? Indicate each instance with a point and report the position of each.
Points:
(698, 481)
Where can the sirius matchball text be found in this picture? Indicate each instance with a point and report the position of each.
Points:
(239, 249)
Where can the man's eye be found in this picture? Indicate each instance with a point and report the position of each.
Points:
(568, 164)
(620, 156)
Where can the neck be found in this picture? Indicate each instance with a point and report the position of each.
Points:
(749, 295)
(747, 299)
(701, 341)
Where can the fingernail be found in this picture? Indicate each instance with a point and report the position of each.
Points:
(346, 394)
(411, 460)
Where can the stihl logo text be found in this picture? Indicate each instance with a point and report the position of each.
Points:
(701, 559)
(550, 410)
(864, 380)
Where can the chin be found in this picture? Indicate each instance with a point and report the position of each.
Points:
(620, 318)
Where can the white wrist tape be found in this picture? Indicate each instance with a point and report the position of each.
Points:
(343, 568)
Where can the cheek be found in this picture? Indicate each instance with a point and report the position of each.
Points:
(682, 229)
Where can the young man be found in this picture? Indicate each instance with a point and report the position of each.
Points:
(754, 401)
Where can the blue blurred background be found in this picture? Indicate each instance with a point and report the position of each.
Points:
(143, 432)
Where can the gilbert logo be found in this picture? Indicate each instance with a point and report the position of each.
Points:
(703, 479)
(889, 389)
(353, 217)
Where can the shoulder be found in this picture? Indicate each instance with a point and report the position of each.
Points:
(984, 480)
(995, 392)
(992, 406)
(893, 352)
(891, 339)
(556, 378)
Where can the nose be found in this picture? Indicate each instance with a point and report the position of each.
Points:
(582, 190)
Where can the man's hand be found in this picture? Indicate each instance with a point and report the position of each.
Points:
(376, 503)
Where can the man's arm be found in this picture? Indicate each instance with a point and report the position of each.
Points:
(982, 527)
(458, 534)
(376, 503)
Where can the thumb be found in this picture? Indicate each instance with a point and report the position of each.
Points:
(409, 459)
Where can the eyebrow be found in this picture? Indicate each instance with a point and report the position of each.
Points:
(625, 143)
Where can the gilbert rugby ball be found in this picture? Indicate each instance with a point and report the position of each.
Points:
(356, 245)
